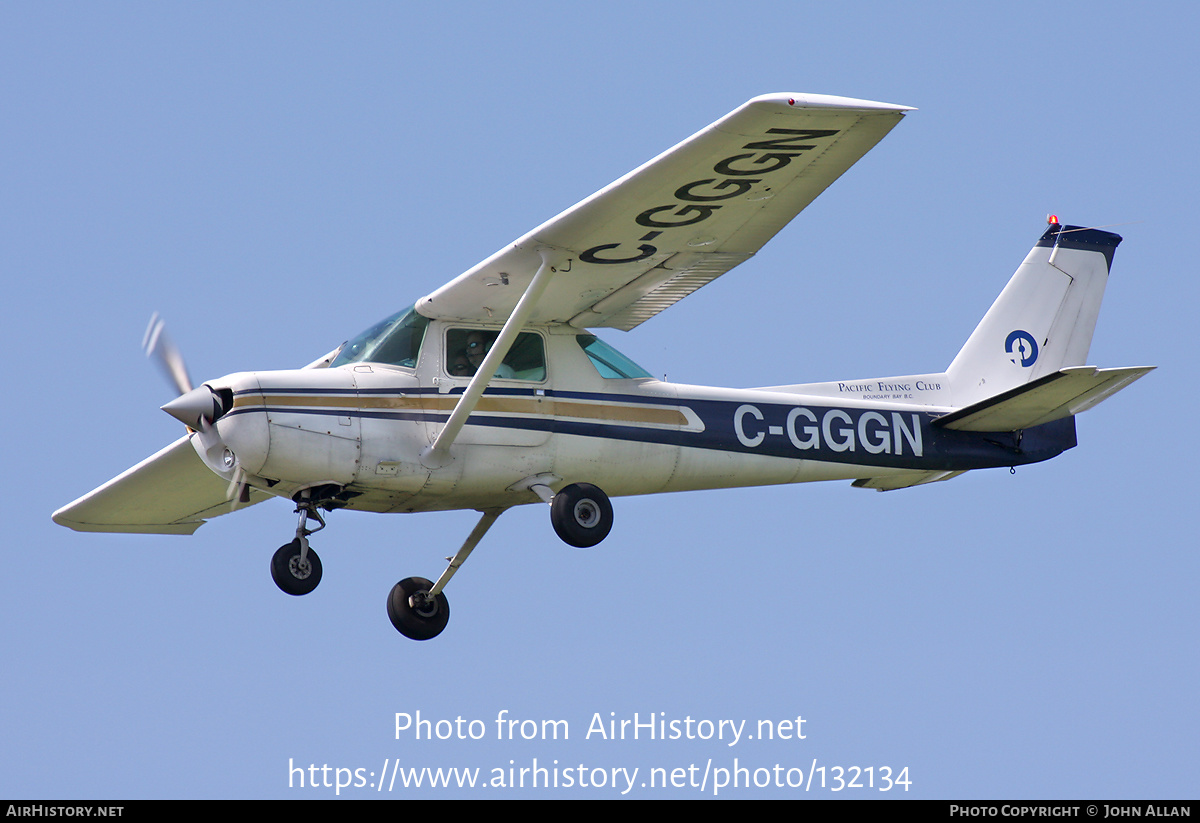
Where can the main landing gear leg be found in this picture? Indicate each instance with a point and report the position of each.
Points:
(417, 608)
(295, 568)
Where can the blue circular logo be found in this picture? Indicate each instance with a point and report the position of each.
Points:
(1022, 348)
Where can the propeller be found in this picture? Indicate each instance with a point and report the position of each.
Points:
(196, 407)
(159, 346)
(238, 490)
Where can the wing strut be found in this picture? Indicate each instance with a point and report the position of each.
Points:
(437, 455)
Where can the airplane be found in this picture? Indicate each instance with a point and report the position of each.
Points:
(493, 392)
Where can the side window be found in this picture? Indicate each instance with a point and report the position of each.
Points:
(466, 348)
(607, 360)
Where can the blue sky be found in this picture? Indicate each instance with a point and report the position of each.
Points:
(274, 178)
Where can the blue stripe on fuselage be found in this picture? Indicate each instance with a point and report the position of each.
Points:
(899, 438)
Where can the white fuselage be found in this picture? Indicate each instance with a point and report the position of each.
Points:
(363, 427)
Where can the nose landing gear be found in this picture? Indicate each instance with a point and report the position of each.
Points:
(295, 567)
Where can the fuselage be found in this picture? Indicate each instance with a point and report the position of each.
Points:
(362, 426)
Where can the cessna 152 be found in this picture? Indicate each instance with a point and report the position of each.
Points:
(490, 393)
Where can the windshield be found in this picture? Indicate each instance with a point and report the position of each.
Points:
(395, 341)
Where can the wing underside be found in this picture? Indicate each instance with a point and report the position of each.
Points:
(683, 219)
(171, 492)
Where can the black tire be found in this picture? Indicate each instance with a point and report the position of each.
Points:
(422, 623)
(581, 515)
(288, 573)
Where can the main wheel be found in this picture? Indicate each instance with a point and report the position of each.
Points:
(420, 617)
(291, 574)
(581, 515)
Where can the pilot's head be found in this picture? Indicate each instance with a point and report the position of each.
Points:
(478, 345)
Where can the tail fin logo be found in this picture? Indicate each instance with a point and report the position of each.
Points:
(1022, 348)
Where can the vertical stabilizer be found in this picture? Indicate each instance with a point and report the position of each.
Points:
(1042, 321)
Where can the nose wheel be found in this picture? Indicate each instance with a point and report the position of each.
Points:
(294, 570)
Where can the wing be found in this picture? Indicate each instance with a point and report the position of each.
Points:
(171, 492)
(680, 221)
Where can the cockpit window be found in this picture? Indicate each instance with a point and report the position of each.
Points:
(395, 341)
(466, 348)
(607, 360)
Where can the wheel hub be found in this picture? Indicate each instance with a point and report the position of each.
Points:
(300, 569)
(587, 514)
(423, 605)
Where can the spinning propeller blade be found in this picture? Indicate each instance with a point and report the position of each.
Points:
(158, 346)
(197, 408)
(238, 491)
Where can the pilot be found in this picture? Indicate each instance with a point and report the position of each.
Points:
(479, 343)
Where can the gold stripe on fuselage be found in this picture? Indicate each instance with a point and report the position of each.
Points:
(572, 409)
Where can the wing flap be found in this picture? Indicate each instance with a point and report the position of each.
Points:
(658, 289)
(171, 492)
(1066, 392)
(679, 221)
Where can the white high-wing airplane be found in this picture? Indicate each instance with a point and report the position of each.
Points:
(490, 393)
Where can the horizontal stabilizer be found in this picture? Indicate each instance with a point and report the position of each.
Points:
(171, 492)
(902, 481)
(1061, 394)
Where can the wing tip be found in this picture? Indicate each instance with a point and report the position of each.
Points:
(186, 527)
(801, 101)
